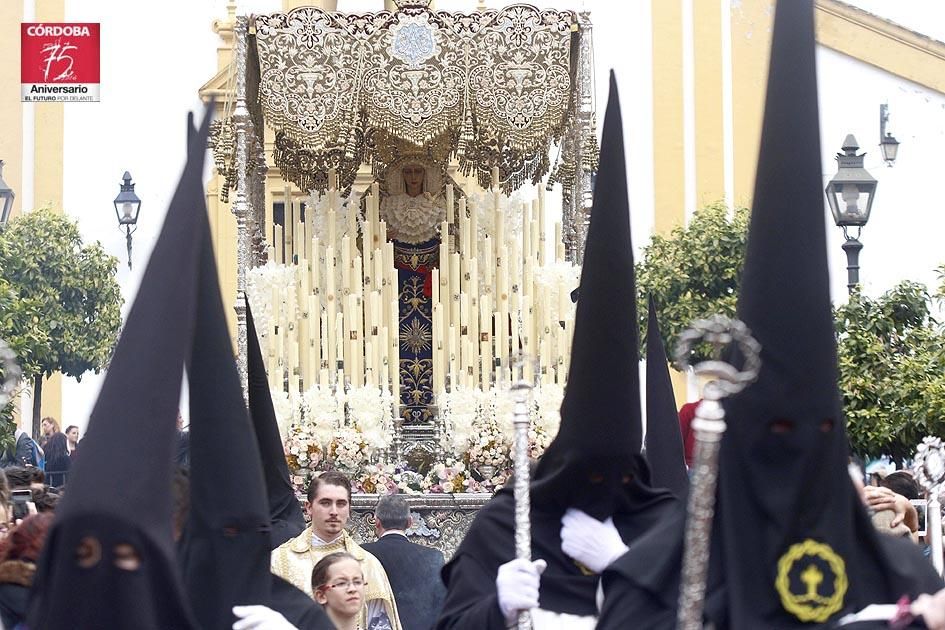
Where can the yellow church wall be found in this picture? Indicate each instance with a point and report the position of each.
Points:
(668, 165)
(707, 25)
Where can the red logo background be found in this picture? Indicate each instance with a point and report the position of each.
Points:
(60, 59)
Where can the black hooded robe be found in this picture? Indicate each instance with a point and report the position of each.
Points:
(472, 601)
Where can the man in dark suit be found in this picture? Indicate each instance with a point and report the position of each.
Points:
(413, 570)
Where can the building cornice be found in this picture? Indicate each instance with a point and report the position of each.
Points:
(881, 43)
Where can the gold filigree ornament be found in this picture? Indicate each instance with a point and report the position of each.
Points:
(807, 571)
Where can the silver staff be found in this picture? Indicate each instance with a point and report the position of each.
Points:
(929, 468)
(522, 393)
(709, 425)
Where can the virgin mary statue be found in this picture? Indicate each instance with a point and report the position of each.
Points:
(413, 209)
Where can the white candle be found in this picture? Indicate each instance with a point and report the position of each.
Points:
(467, 360)
(377, 278)
(526, 230)
(352, 221)
(485, 340)
(455, 288)
(454, 358)
(350, 339)
(345, 287)
(450, 205)
(501, 344)
(502, 281)
(499, 222)
(340, 348)
(323, 345)
(435, 286)
(488, 265)
(559, 243)
(464, 234)
(385, 383)
(473, 231)
(437, 346)
(369, 367)
(357, 277)
(332, 231)
(280, 244)
(331, 306)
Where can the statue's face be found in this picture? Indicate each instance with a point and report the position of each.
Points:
(413, 178)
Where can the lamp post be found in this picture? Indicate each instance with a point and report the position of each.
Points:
(850, 195)
(127, 206)
(6, 199)
(887, 142)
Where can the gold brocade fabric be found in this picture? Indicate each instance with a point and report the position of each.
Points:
(294, 560)
(496, 85)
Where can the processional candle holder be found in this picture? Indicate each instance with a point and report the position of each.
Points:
(10, 371)
(522, 395)
(929, 468)
(709, 426)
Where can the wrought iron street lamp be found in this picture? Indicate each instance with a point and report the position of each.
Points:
(887, 142)
(127, 206)
(6, 199)
(850, 195)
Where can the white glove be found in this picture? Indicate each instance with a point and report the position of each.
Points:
(589, 541)
(260, 618)
(932, 610)
(517, 586)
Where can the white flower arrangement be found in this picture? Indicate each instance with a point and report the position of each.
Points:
(503, 410)
(390, 479)
(347, 450)
(324, 412)
(288, 410)
(548, 280)
(548, 400)
(319, 205)
(459, 413)
(262, 283)
(370, 410)
(481, 203)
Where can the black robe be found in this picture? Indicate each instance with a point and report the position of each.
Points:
(298, 608)
(641, 588)
(471, 599)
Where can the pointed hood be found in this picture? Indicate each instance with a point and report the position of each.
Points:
(224, 552)
(118, 504)
(285, 512)
(600, 433)
(787, 509)
(664, 445)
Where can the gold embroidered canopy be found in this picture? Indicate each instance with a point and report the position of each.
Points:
(492, 88)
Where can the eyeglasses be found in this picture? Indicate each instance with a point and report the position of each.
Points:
(345, 584)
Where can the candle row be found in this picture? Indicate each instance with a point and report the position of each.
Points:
(338, 321)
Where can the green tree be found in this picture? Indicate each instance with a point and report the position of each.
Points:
(891, 350)
(693, 272)
(64, 314)
(892, 370)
